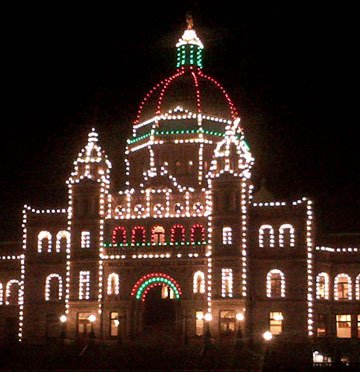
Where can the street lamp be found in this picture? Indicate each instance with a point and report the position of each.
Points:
(117, 324)
(92, 319)
(267, 336)
(238, 338)
(207, 334)
(63, 319)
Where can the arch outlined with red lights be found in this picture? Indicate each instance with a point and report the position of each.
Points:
(145, 283)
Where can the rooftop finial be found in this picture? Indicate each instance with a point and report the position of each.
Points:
(189, 21)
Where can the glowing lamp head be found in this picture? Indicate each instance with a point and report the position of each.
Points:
(63, 318)
(278, 317)
(92, 318)
(240, 317)
(116, 322)
(199, 316)
(267, 336)
(208, 317)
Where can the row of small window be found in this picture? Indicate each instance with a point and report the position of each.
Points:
(159, 209)
(177, 235)
(343, 288)
(267, 236)
(45, 243)
(12, 291)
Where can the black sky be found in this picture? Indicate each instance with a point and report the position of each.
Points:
(289, 69)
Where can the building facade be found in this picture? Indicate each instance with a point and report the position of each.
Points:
(185, 245)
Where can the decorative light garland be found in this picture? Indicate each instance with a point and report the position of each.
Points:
(113, 284)
(271, 235)
(84, 285)
(199, 282)
(344, 279)
(269, 277)
(291, 230)
(226, 282)
(322, 286)
(48, 280)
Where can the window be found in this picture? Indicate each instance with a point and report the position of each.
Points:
(198, 207)
(199, 282)
(321, 358)
(83, 324)
(266, 236)
(343, 326)
(114, 324)
(357, 287)
(85, 239)
(139, 209)
(322, 286)
(275, 284)
(227, 322)
(113, 284)
(178, 208)
(276, 322)
(1, 294)
(158, 235)
(342, 287)
(227, 235)
(158, 209)
(286, 236)
(53, 287)
(138, 235)
(199, 323)
(321, 330)
(44, 241)
(197, 234)
(119, 235)
(178, 234)
(226, 283)
(84, 285)
(167, 292)
(12, 292)
(62, 240)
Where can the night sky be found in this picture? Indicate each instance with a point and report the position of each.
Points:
(289, 69)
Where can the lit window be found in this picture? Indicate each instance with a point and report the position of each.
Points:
(85, 239)
(321, 358)
(199, 282)
(227, 322)
(44, 241)
(342, 287)
(62, 240)
(322, 286)
(158, 235)
(199, 323)
(321, 325)
(167, 292)
(266, 236)
(84, 285)
(275, 284)
(357, 287)
(114, 324)
(227, 235)
(84, 324)
(286, 235)
(53, 287)
(113, 284)
(178, 234)
(119, 235)
(276, 322)
(226, 283)
(12, 292)
(343, 326)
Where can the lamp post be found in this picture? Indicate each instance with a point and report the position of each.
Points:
(267, 336)
(239, 336)
(63, 319)
(207, 334)
(92, 319)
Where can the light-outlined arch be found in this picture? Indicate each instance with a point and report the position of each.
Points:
(322, 286)
(1, 294)
(266, 236)
(11, 297)
(49, 295)
(197, 234)
(145, 283)
(275, 284)
(44, 236)
(342, 287)
(178, 234)
(113, 287)
(63, 234)
(119, 235)
(357, 287)
(199, 282)
(286, 235)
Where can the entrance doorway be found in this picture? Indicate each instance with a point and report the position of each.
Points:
(159, 310)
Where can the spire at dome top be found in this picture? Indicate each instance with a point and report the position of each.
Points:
(189, 47)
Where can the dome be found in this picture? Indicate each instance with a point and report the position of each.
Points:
(190, 89)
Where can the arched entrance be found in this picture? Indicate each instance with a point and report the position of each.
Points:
(158, 295)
